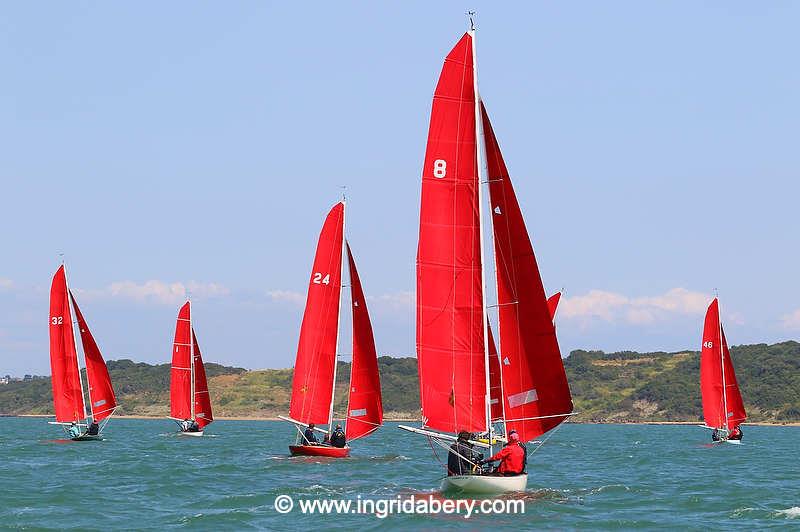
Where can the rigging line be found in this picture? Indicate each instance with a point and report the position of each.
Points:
(547, 438)
(450, 450)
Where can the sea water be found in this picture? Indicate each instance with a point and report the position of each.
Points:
(583, 477)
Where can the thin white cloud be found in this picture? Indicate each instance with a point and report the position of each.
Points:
(791, 321)
(287, 296)
(613, 307)
(397, 301)
(6, 284)
(158, 292)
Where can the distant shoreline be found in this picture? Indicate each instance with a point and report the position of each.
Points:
(407, 420)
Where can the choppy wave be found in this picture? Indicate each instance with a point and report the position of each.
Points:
(608, 475)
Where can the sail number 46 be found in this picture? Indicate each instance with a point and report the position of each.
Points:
(708, 345)
(439, 168)
(319, 279)
(57, 320)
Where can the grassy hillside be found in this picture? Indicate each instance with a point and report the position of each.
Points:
(143, 389)
(665, 386)
(624, 386)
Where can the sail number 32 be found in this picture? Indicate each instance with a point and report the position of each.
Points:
(57, 320)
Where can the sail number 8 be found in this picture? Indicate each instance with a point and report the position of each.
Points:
(57, 320)
(708, 345)
(439, 168)
(319, 279)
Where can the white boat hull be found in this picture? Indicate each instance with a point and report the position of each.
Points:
(88, 437)
(194, 434)
(484, 484)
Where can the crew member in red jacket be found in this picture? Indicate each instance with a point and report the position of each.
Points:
(511, 457)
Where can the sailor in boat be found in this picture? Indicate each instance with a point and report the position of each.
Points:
(94, 429)
(524, 449)
(338, 439)
(189, 425)
(462, 460)
(309, 436)
(511, 458)
(736, 433)
(74, 430)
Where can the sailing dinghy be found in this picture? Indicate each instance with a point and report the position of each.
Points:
(190, 403)
(68, 392)
(313, 386)
(723, 409)
(467, 383)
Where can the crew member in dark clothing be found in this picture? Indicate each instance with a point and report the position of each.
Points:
(338, 438)
(309, 436)
(736, 433)
(94, 429)
(715, 435)
(461, 459)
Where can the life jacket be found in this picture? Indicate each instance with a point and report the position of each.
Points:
(512, 459)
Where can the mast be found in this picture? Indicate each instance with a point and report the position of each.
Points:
(479, 145)
(191, 362)
(338, 323)
(722, 364)
(75, 346)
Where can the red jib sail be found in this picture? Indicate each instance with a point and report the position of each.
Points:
(312, 386)
(67, 392)
(101, 393)
(450, 341)
(713, 356)
(180, 387)
(552, 304)
(202, 399)
(537, 396)
(365, 408)
(495, 380)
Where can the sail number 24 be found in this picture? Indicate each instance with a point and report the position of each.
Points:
(319, 279)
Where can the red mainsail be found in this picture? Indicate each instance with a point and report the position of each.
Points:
(714, 354)
(450, 326)
(537, 395)
(202, 399)
(180, 388)
(312, 385)
(552, 304)
(101, 393)
(67, 392)
(365, 407)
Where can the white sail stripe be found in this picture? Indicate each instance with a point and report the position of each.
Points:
(184, 319)
(523, 398)
(178, 367)
(178, 343)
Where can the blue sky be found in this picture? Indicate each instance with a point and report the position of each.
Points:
(196, 146)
